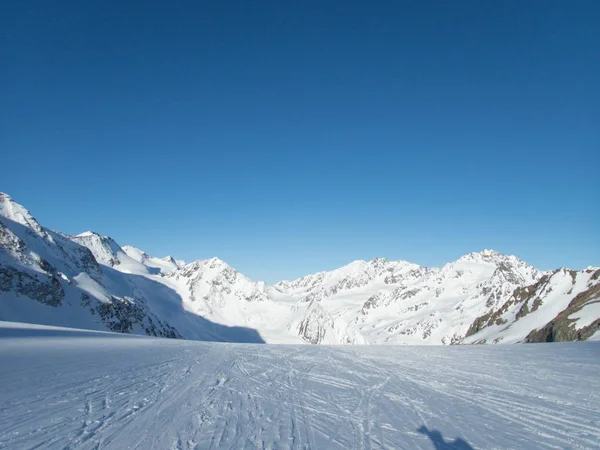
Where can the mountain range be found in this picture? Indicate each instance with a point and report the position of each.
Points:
(89, 281)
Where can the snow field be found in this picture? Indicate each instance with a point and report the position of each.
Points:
(78, 389)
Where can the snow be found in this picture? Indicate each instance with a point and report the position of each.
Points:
(78, 389)
(91, 287)
(588, 314)
(557, 294)
(154, 265)
(108, 252)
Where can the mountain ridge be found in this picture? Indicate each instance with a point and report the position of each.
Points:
(482, 297)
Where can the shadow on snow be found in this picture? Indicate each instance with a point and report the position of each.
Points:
(440, 443)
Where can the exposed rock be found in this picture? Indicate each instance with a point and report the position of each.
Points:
(314, 325)
(44, 288)
(562, 328)
(121, 314)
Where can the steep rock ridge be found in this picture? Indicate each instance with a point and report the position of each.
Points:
(561, 305)
(89, 281)
(579, 321)
(49, 268)
(25, 242)
(108, 252)
(315, 324)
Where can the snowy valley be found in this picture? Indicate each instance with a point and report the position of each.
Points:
(83, 364)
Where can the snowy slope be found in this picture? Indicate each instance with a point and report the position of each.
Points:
(154, 265)
(565, 300)
(90, 281)
(108, 252)
(49, 278)
(83, 390)
(211, 288)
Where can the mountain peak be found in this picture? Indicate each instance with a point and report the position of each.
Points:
(88, 234)
(378, 261)
(215, 262)
(486, 255)
(17, 213)
(92, 235)
(131, 249)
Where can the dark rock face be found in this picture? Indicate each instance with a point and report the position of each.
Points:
(9, 241)
(121, 314)
(560, 331)
(6, 279)
(526, 300)
(45, 289)
(561, 328)
(520, 296)
(371, 303)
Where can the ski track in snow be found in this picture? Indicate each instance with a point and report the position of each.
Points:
(93, 391)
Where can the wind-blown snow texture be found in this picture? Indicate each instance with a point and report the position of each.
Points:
(87, 390)
(89, 281)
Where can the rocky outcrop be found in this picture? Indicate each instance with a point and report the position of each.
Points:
(44, 288)
(564, 293)
(563, 327)
(525, 299)
(123, 314)
(315, 324)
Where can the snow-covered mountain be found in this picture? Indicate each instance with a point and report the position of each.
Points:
(89, 281)
(563, 305)
(109, 253)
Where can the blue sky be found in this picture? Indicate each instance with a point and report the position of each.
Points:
(292, 137)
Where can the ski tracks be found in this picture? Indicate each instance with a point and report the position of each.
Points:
(188, 396)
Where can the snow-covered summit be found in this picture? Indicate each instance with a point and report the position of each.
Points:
(11, 210)
(108, 252)
(217, 283)
(153, 264)
(353, 275)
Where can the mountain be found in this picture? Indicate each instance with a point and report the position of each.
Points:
(563, 305)
(109, 253)
(89, 281)
(399, 302)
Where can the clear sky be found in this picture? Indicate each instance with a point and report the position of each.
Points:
(288, 137)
